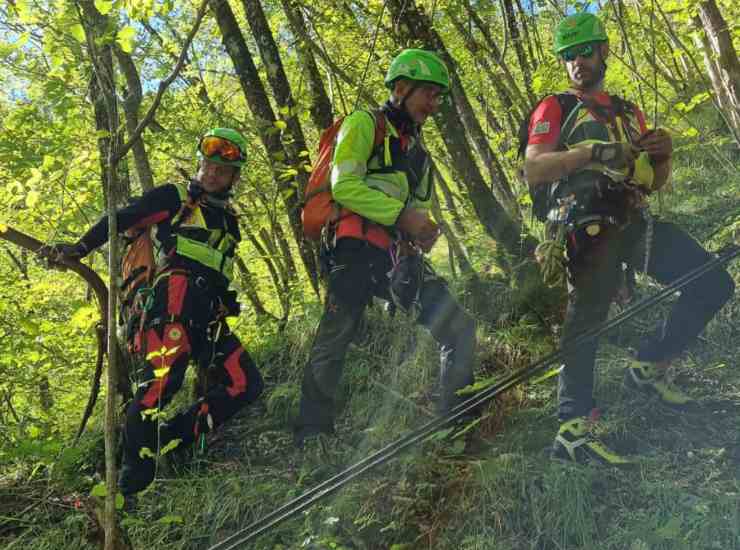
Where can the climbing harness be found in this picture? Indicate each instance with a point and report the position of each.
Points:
(324, 489)
(405, 278)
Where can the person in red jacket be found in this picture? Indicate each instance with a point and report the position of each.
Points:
(595, 161)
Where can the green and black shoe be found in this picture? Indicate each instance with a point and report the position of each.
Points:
(647, 379)
(575, 442)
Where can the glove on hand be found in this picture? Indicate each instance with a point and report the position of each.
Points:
(615, 155)
(657, 143)
(63, 251)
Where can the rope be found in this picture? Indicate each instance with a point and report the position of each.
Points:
(370, 55)
(299, 504)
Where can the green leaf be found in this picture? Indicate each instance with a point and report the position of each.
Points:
(126, 38)
(29, 326)
(104, 6)
(160, 373)
(169, 519)
(99, 490)
(280, 125)
(22, 39)
(32, 198)
(77, 32)
(441, 434)
(119, 501)
(170, 446)
(25, 12)
(146, 452)
(172, 350)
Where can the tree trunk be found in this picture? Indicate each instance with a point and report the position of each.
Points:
(722, 63)
(296, 143)
(420, 28)
(95, 26)
(264, 116)
(277, 280)
(457, 248)
(335, 70)
(321, 109)
(450, 201)
(474, 47)
(105, 138)
(249, 285)
(527, 37)
(494, 217)
(521, 101)
(131, 103)
(516, 38)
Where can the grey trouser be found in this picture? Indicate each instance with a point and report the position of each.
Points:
(359, 272)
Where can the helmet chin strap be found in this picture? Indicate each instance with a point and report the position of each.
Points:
(402, 104)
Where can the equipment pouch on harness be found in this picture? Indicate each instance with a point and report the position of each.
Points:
(405, 280)
(138, 268)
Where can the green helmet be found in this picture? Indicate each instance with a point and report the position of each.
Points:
(418, 65)
(221, 156)
(579, 28)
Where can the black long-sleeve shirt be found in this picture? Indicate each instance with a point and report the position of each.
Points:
(159, 206)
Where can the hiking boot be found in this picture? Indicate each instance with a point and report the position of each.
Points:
(576, 442)
(646, 378)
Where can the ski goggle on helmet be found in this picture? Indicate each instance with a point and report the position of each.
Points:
(223, 146)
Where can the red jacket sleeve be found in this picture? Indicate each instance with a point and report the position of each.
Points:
(544, 124)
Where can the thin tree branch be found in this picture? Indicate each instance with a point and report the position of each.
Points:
(163, 86)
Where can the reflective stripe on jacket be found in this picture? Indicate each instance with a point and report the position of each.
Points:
(375, 184)
(212, 247)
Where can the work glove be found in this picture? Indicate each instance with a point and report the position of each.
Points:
(59, 252)
(657, 143)
(614, 155)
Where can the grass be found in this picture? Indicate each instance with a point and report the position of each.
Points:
(495, 489)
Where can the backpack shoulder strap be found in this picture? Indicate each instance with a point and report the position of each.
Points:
(381, 126)
(570, 104)
(382, 136)
(187, 205)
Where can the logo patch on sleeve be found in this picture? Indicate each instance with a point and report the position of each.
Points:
(542, 127)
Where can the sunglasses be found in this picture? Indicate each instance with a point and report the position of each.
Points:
(585, 51)
(212, 146)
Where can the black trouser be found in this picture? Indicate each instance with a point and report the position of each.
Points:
(359, 272)
(177, 331)
(594, 273)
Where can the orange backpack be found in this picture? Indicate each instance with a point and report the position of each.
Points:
(138, 267)
(319, 209)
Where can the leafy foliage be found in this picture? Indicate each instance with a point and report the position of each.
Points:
(447, 494)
